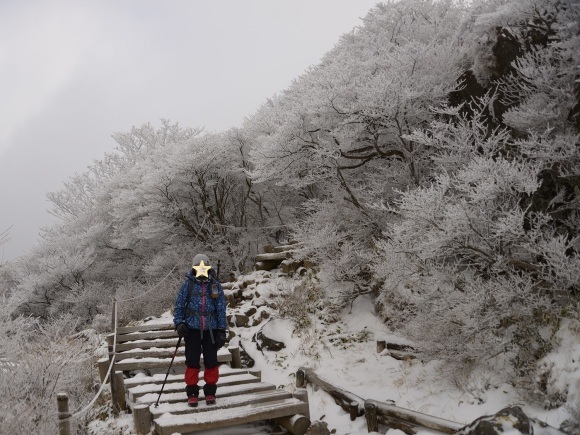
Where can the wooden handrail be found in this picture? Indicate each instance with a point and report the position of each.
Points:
(377, 412)
(397, 418)
(350, 402)
(107, 372)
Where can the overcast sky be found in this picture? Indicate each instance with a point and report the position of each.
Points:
(74, 72)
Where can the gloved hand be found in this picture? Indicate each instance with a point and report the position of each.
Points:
(182, 330)
(221, 338)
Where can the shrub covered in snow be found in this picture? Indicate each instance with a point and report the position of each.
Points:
(484, 258)
(301, 300)
(39, 361)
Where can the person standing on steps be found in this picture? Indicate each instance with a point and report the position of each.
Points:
(200, 319)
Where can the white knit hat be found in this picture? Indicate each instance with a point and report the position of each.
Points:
(199, 258)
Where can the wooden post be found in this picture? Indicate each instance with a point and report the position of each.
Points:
(296, 424)
(381, 345)
(114, 403)
(404, 419)
(371, 416)
(302, 394)
(236, 357)
(353, 411)
(142, 419)
(300, 379)
(119, 381)
(343, 398)
(63, 414)
(113, 316)
(110, 338)
(103, 364)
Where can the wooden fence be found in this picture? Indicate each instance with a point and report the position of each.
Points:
(377, 412)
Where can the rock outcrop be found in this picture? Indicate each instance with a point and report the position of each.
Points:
(512, 420)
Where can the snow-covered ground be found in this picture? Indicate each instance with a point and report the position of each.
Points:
(355, 366)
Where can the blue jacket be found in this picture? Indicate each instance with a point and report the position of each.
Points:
(204, 311)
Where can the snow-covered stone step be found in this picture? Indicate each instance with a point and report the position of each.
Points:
(135, 392)
(225, 370)
(168, 423)
(147, 335)
(222, 403)
(233, 390)
(145, 328)
(147, 344)
(149, 353)
(273, 256)
(283, 248)
(141, 379)
(224, 356)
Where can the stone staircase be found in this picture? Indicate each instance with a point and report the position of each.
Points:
(280, 257)
(142, 358)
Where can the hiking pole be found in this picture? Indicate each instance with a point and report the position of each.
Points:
(167, 374)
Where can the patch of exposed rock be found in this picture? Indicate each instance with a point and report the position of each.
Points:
(512, 420)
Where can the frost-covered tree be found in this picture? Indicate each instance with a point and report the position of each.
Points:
(338, 134)
(194, 193)
(77, 255)
(486, 256)
(36, 362)
(355, 107)
(144, 211)
(468, 274)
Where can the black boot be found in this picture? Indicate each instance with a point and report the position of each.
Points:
(192, 392)
(209, 393)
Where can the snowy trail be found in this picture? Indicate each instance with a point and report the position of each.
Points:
(345, 354)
